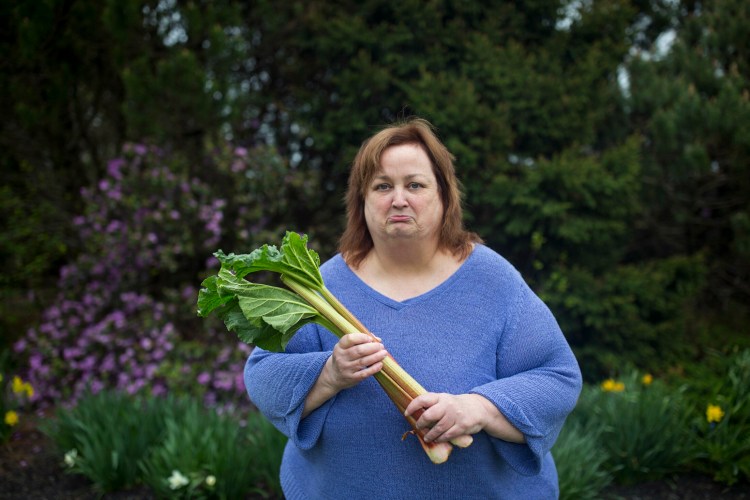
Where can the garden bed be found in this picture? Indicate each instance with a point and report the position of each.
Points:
(30, 470)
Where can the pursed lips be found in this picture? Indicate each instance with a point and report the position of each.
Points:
(399, 218)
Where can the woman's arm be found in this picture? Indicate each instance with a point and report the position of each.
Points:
(537, 384)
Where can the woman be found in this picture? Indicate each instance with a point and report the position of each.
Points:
(456, 315)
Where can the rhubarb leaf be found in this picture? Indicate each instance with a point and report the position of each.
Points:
(293, 259)
(263, 315)
(209, 298)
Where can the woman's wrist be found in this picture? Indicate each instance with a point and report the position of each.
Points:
(496, 424)
(322, 390)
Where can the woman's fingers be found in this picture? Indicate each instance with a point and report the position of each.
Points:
(353, 339)
(355, 357)
(422, 402)
(446, 416)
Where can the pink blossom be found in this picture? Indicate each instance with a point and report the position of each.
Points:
(108, 364)
(113, 167)
(71, 352)
(204, 378)
(20, 345)
(35, 361)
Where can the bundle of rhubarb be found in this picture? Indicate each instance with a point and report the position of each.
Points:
(268, 316)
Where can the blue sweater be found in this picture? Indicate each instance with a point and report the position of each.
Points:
(481, 331)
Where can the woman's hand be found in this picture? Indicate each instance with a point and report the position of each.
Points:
(448, 416)
(355, 357)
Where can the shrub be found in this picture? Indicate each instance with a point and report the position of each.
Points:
(634, 315)
(147, 235)
(645, 426)
(723, 428)
(211, 371)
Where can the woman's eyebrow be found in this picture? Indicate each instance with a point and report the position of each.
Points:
(407, 177)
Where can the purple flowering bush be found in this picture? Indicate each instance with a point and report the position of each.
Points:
(124, 316)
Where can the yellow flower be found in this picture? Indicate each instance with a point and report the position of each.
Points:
(11, 418)
(29, 389)
(647, 379)
(17, 385)
(611, 385)
(714, 413)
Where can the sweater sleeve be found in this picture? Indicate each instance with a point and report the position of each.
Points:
(538, 384)
(278, 384)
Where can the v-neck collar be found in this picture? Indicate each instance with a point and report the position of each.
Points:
(465, 266)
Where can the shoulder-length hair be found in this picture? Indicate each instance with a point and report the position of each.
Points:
(356, 241)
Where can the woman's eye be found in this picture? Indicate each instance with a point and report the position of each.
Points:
(382, 187)
(414, 185)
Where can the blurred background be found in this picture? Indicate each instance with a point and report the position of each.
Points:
(603, 146)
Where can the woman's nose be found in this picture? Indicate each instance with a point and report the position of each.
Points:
(399, 198)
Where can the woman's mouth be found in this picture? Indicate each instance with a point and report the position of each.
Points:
(399, 218)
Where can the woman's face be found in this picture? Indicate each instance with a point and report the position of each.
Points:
(403, 200)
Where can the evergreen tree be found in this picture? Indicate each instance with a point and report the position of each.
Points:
(691, 105)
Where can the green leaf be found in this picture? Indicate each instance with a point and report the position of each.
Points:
(264, 315)
(209, 298)
(255, 332)
(293, 259)
(279, 308)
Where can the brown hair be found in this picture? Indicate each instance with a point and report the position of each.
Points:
(356, 242)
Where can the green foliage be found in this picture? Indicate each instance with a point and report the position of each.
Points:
(580, 461)
(645, 429)
(570, 211)
(690, 107)
(640, 314)
(724, 445)
(119, 441)
(106, 435)
(219, 458)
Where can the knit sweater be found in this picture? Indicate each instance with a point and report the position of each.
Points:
(481, 331)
